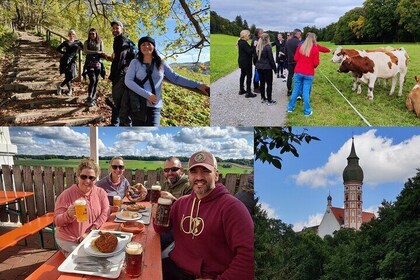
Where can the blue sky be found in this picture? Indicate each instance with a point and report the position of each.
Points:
(190, 56)
(225, 142)
(297, 194)
(285, 15)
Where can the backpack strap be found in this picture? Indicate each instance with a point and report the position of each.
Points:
(149, 71)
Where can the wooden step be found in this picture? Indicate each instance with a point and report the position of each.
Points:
(75, 121)
(32, 94)
(31, 116)
(25, 86)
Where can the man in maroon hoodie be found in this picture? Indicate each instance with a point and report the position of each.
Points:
(213, 231)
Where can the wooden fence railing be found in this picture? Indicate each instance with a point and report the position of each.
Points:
(49, 33)
(48, 182)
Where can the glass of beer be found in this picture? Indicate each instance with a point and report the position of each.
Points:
(80, 207)
(133, 258)
(116, 201)
(154, 193)
(162, 212)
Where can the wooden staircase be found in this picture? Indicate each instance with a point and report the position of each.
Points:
(28, 93)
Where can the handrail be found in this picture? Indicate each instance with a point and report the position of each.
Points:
(48, 33)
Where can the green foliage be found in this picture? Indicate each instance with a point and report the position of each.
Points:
(220, 25)
(279, 139)
(410, 16)
(7, 43)
(385, 248)
(343, 32)
(183, 107)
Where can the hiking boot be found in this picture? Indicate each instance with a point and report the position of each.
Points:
(69, 93)
(250, 94)
(59, 89)
(299, 98)
(263, 100)
(310, 114)
(242, 92)
(271, 102)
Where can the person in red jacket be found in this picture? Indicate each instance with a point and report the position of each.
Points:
(307, 58)
(213, 231)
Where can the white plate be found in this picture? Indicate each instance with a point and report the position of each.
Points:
(121, 217)
(90, 250)
(69, 266)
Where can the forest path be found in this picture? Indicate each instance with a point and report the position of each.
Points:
(28, 90)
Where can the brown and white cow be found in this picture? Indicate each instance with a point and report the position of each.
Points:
(340, 54)
(413, 98)
(368, 66)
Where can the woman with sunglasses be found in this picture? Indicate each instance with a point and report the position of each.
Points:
(94, 50)
(115, 184)
(70, 232)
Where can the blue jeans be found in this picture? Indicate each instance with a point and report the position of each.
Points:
(302, 83)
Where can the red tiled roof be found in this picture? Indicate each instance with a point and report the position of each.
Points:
(339, 215)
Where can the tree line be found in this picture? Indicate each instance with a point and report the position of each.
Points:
(245, 162)
(388, 247)
(376, 21)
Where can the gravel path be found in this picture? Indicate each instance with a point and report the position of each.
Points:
(230, 108)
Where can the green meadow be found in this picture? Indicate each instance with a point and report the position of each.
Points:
(130, 164)
(330, 108)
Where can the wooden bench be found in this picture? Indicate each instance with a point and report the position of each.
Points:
(12, 237)
(48, 270)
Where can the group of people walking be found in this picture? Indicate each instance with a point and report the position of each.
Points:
(137, 73)
(299, 57)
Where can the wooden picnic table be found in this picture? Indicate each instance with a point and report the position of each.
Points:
(150, 240)
(11, 197)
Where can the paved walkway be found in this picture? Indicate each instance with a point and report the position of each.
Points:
(230, 108)
(20, 261)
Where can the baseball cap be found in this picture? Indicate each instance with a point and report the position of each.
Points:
(147, 39)
(117, 22)
(297, 30)
(203, 158)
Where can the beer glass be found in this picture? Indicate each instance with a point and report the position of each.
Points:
(163, 212)
(116, 201)
(154, 193)
(80, 207)
(133, 258)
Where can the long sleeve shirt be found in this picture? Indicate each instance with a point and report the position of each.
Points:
(68, 228)
(138, 70)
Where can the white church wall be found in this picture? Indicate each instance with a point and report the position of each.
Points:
(328, 225)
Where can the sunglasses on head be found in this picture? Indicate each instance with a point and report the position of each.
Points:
(120, 167)
(173, 169)
(84, 177)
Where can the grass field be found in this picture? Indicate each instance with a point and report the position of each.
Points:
(330, 109)
(130, 164)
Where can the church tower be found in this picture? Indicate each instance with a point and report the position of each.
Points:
(353, 180)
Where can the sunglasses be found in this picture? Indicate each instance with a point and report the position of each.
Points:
(120, 167)
(84, 177)
(173, 169)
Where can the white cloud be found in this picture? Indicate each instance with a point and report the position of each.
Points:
(224, 143)
(313, 220)
(285, 15)
(382, 161)
(372, 209)
(271, 212)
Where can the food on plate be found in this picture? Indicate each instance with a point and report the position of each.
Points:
(133, 227)
(106, 242)
(135, 207)
(130, 214)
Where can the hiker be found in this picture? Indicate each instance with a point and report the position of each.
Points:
(245, 63)
(265, 66)
(144, 79)
(124, 51)
(94, 50)
(254, 42)
(68, 67)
